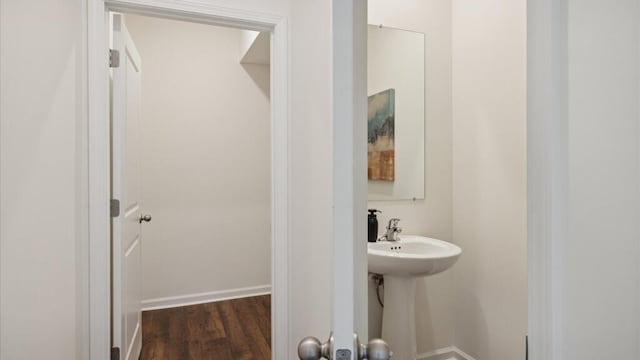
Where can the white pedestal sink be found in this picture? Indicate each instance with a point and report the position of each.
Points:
(401, 262)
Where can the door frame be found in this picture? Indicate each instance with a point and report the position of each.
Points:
(99, 154)
(547, 177)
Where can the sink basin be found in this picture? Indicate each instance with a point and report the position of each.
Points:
(412, 256)
(400, 263)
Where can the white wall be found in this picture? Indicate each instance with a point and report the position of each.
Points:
(205, 162)
(312, 168)
(583, 106)
(600, 271)
(431, 216)
(43, 183)
(43, 128)
(489, 177)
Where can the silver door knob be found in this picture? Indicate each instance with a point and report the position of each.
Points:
(310, 348)
(145, 218)
(376, 349)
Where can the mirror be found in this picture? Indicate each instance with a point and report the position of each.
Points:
(395, 146)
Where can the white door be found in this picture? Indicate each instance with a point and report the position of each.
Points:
(125, 172)
(350, 169)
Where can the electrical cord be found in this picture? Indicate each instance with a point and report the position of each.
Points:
(379, 279)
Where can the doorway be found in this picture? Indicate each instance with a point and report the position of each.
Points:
(99, 158)
(191, 168)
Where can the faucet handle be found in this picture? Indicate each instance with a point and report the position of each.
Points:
(393, 223)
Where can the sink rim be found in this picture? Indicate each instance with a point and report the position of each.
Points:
(445, 249)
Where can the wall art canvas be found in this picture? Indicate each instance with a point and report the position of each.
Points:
(380, 146)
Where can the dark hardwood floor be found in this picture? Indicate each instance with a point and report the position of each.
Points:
(237, 329)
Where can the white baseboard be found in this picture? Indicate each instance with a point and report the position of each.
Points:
(448, 353)
(202, 298)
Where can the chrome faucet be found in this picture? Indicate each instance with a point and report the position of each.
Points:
(392, 230)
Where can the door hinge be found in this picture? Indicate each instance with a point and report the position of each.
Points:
(115, 353)
(115, 208)
(114, 58)
(526, 345)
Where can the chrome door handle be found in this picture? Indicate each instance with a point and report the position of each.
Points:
(144, 218)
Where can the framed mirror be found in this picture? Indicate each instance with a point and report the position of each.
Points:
(395, 146)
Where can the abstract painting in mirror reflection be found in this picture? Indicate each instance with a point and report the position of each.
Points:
(380, 144)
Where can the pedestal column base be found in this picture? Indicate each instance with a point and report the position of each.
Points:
(398, 316)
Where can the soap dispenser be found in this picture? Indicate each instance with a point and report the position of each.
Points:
(373, 225)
